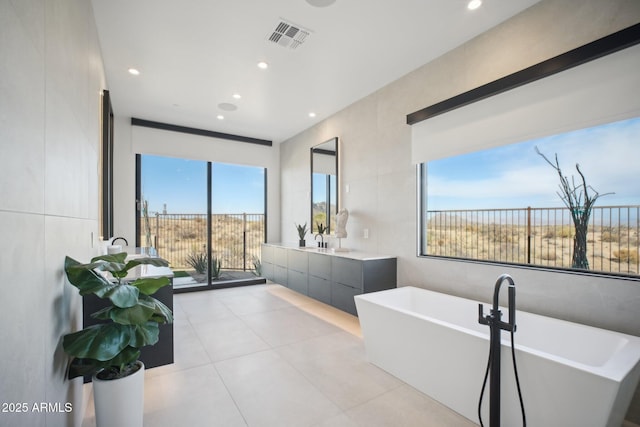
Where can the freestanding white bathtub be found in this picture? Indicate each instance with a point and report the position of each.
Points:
(570, 374)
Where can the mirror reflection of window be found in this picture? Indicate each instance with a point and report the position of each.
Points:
(324, 185)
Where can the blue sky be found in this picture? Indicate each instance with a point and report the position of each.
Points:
(319, 183)
(182, 185)
(516, 176)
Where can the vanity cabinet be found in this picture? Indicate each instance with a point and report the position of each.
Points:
(331, 277)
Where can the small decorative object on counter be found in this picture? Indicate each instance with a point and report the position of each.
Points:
(302, 232)
(321, 229)
(341, 228)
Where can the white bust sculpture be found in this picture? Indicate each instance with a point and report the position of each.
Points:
(341, 223)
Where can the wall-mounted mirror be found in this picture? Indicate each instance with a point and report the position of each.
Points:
(324, 185)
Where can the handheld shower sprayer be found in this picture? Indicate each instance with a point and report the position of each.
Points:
(512, 306)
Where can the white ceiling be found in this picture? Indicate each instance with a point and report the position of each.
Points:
(195, 54)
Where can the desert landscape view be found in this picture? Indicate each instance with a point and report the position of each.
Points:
(540, 236)
(537, 236)
(235, 238)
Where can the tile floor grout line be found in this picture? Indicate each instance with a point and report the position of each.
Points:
(343, 410)
(235, 403)
(212, 360)
(195, 331)
(306, 377)
(274, 347)
(214, 363)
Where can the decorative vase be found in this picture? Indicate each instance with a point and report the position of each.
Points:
(120, 402)
(301, 243)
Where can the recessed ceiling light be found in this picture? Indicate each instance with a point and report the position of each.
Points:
(312, 114)
(321, 3)
(226, 106)
(474, 4)
(237, 96)
(220, 117)
(134, 72)
(263, 65)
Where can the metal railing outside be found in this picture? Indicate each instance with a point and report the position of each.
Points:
(540, 236)
(235, 238)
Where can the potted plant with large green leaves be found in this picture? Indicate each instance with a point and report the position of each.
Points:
(110, 350)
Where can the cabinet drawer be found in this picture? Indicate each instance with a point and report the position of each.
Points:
(298, 282)
(320, 289)
(347, 271)
(266, 254)
(280, 255)
(280, 275)
(268, 271)
(320, 266)
(379, 275)
(342, 297)
(298, 261)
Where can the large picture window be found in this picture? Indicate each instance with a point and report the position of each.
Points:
(508, 204)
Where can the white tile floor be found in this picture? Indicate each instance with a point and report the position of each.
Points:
(266, 356)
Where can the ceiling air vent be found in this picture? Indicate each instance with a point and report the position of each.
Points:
(288, 35)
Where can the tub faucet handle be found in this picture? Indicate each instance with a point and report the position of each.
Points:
(481, 318)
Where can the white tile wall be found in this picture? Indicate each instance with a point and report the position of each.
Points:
(63, 306)
(51, 76)
(22, 307)
(22, 114)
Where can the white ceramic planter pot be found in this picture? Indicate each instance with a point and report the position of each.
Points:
(119, 403)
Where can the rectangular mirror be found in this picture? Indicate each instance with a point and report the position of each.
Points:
(324, 185)
(106, 167)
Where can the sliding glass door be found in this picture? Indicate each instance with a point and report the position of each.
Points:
(238, 220)
(207, 219)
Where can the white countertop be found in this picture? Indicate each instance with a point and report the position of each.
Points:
(142, 270)
(362, 256)
(145, 270)
(148, 271)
